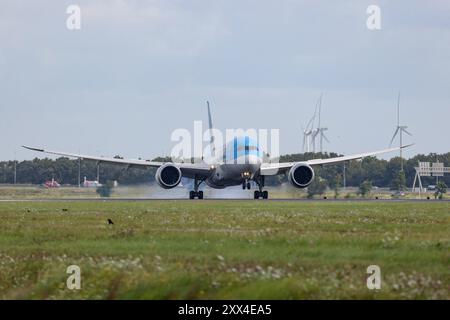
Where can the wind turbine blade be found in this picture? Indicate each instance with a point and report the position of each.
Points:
(315, 133)
(320, 107)
(313, 119)
(408, 133)
(325, 137)
(393, 137)
(398, 109)
(311, 123)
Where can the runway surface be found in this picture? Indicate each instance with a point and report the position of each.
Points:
(217, 199)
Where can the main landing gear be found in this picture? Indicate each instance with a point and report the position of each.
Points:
(196, 193)
(246, 185)
(260, 193)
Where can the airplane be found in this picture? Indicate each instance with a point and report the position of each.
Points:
(241, 162)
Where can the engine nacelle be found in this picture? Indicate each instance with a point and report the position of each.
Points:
(168, 176)
(301, 175)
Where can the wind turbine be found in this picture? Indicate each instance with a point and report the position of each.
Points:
(322, 137)
(307, 132)
(320, 131)
(399, 131)
(313, 132)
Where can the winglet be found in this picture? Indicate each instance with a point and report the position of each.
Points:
(210, 123)
(407, 146)
(34, 149)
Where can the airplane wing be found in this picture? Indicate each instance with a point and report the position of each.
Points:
(187, 169)
(278, 168)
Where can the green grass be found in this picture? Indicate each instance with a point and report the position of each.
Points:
(224, 249)
(33, 192)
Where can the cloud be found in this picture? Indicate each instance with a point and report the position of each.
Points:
(136, 64)
(165, 28)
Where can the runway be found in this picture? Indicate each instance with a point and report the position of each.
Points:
(222, 199)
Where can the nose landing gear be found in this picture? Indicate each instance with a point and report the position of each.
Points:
(196, 194)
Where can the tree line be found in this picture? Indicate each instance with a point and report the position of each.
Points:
(381, 173)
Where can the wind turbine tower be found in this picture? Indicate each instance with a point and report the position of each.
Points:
(399, 131)
(307, 133)
(320, 131)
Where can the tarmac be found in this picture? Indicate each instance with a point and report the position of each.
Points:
(218, 199)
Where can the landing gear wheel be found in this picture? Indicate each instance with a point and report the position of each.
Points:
(249, 186)
(243, 185)
(195, 193)
(198, 195)
(261, 194)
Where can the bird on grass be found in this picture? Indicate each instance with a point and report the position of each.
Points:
(110, 222)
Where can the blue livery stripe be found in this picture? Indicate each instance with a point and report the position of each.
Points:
(235, 154)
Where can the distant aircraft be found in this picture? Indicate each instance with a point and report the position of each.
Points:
(242, 161)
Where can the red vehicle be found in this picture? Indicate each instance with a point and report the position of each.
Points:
(52, 184)
(91, 184)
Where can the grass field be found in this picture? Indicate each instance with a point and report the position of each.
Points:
(224, 249)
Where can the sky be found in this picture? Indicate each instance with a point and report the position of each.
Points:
(138, 70)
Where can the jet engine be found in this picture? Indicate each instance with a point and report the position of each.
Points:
(301, 175)
(168, 176)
